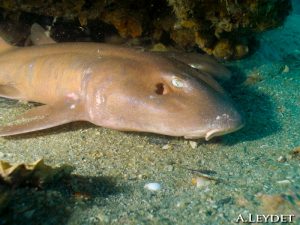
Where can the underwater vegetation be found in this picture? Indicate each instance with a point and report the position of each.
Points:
(223, 28)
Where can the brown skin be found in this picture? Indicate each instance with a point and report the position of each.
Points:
(113, 87)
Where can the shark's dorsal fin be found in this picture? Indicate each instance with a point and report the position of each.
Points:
(39, 36)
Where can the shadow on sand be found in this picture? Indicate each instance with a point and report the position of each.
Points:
(258, 109)
(55, 203)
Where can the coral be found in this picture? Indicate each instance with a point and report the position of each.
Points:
(223, 28)
(185, 37)
(223, 49)
(222, 25)
(128, 24)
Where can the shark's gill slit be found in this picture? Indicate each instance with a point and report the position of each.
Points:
(160, 89)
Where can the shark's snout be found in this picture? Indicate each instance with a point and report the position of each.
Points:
(227, 126)
(218, 125)
(225, 123)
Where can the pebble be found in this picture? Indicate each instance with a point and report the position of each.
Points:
(201, 181)
(169, 168)
(181, 204)
(193, 144)
(286, 69)
(152, 186)
(141, 176)
(283, 182)
(295, 152)
(165, 147)
(281, 159)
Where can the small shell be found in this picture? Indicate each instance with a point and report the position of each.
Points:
(152, 186)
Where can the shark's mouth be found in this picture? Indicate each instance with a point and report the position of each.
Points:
(212, 133)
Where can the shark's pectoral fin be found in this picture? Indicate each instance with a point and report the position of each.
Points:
(43, 117)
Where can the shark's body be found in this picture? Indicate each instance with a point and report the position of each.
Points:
(114, 87)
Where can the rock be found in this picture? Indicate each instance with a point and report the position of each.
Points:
(193, 144)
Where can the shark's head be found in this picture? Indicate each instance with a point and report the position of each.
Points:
(154, 94)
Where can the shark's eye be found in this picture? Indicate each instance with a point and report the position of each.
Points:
(177, 83)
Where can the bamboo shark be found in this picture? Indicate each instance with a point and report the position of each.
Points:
(114, 87)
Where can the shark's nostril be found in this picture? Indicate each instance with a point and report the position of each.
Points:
(160, 89)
